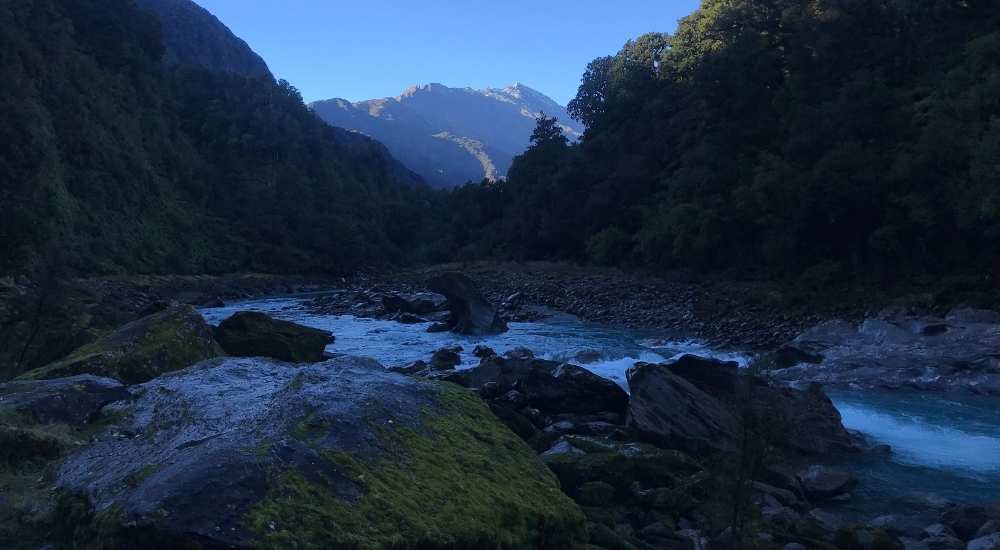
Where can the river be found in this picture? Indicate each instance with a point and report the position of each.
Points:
(945, 447)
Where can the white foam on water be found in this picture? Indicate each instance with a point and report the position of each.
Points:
(921, 441)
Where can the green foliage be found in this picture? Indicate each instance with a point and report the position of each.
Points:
(124, 165)
(777, 138)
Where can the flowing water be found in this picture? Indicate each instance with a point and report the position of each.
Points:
(944, 447)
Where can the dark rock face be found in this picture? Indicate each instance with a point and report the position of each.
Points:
(471, 313)
(254, 452)
(254, 334)
(169, 340)
(668, 408)
(549, 386)
(74, 401)
(701, 404)
(193, 36)
(954, 354)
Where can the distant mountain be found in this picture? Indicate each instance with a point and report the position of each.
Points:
(193, 36)
(451, 135)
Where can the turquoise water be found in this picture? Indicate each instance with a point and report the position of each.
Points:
(943, 447)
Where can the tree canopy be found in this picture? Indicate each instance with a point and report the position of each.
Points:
(776, 137)
(112, 162)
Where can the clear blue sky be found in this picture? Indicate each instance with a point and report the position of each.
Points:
(363, 49)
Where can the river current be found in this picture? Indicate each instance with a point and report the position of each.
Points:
(945, 447)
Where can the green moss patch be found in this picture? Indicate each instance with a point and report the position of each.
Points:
(140, 351)
(463, 481)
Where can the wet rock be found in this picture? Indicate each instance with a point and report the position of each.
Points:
(255, 452)
(169, 340)
(254, 334)
(75, 401)
(549, 386)
(470, 312)
(586, 357)
(699, 404)
(672, 411)
(519, 354)
(410, 319)
(446, 358)
(483, 352)
(822, 482)
(419, 304)
(790, 355)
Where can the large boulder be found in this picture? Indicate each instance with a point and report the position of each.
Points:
(670, 410)
(241, 452)
(704, 405)
(255, 334)
(471, 313)
(169, 340)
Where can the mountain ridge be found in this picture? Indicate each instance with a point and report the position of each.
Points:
(194, 36)
(451, 135)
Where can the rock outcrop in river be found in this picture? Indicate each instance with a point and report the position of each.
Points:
(471, 313)
(956, 353)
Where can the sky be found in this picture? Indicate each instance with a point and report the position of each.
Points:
(366, 49)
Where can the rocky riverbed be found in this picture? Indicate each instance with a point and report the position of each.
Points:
(650, 445)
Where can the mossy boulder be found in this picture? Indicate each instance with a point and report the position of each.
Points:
(166, 341)
(340, 454)
(255, 334)
(41, 421)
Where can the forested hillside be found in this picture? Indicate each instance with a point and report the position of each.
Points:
(824, 138)
(111, 162)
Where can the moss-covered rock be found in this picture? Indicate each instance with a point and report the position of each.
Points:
(166, 341)
(31, 445)
(340, 454)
